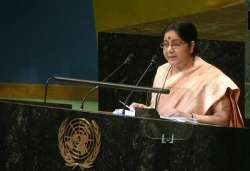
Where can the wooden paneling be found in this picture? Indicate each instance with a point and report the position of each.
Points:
(37, 91)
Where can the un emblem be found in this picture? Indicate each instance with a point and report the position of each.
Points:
(79, 142)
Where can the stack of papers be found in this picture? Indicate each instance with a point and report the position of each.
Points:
(122, 112)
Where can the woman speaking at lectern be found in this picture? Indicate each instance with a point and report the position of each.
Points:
(198, 89)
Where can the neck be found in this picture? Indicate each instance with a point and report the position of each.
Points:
(184, 66)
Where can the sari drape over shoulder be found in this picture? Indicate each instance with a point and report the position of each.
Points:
(196, 90)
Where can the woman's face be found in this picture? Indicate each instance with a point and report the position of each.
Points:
(176, 51)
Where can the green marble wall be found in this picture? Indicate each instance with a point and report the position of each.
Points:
(29, 142)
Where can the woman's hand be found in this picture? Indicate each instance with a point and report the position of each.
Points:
(138, 105)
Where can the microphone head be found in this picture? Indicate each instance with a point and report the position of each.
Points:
(154, 59)
(129, 58)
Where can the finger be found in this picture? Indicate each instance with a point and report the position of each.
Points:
(137, 105)
(133, 105)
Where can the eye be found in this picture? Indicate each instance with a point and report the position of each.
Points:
(164, 44)
(176, 44)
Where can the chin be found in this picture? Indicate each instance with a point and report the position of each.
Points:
(173, 63)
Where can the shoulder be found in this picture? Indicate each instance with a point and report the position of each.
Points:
(216, 75)
(164, 67)
(162, 70)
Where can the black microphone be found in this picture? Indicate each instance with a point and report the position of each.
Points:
(125, 62)
(152, 62)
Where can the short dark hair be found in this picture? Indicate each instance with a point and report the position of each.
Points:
(186, 31)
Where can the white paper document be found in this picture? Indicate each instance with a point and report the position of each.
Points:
(122, 112)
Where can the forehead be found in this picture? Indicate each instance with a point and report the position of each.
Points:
(171, 36)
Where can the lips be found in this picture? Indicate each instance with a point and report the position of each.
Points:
(172, 57)
(172, 60)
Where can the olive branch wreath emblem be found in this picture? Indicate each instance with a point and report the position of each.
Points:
(79, 142)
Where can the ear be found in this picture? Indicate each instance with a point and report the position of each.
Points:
(192, 45)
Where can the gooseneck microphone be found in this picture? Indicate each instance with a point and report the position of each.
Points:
(152, 62)
(126, 61)
(46, 89)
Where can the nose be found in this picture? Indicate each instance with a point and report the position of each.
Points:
(170, 49)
